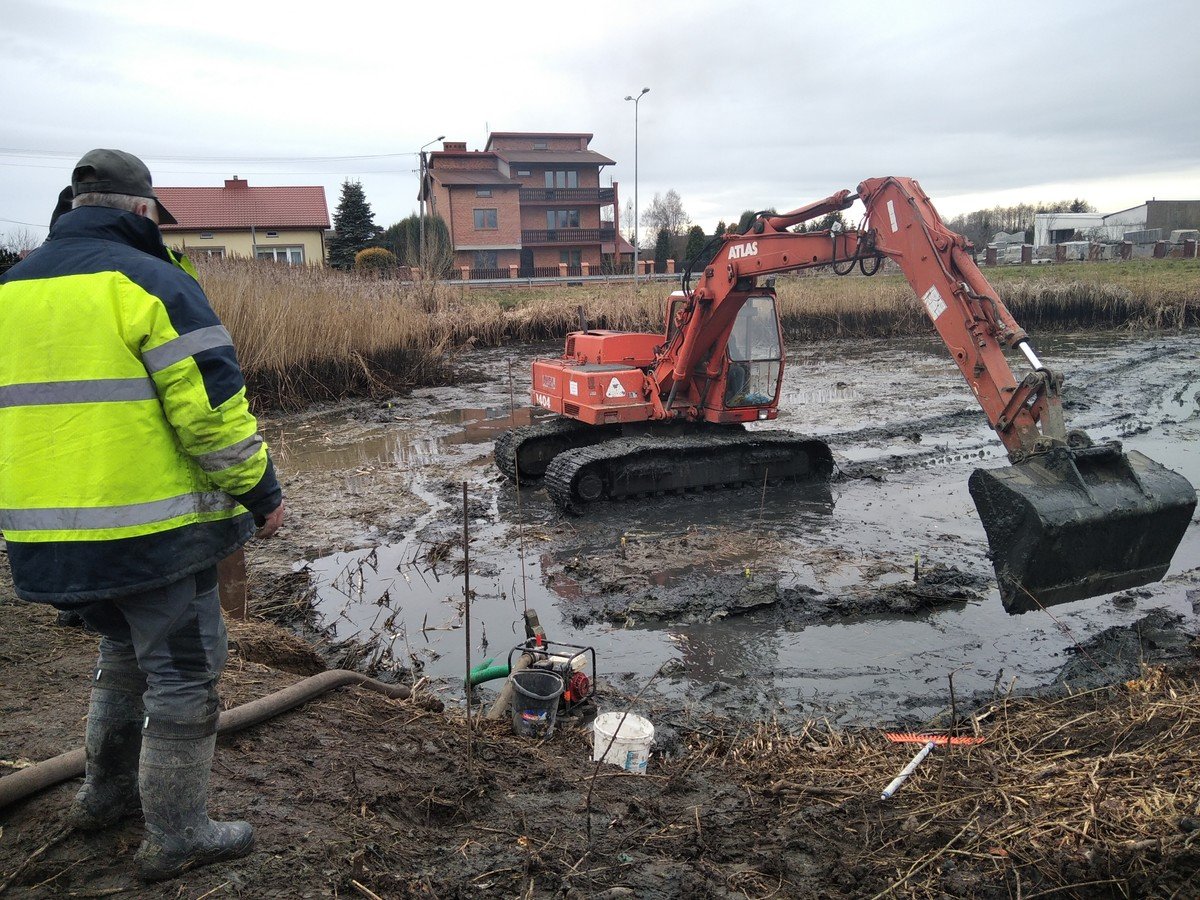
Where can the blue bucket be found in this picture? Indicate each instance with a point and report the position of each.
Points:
(535, 702)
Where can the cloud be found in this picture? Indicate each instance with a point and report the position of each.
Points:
(751, 105)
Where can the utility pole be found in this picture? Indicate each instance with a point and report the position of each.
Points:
(421, 196)
(636, 100)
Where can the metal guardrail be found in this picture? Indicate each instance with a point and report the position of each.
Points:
(545, 273)
(523, 280)
(531, 280)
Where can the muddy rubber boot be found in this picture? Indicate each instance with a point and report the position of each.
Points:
(113, 745)
(175, 765)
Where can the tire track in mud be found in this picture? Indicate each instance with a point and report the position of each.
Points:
(1105, 392)
(1097, 396)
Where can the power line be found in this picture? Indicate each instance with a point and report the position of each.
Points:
(338, 173)
(18, 222)
(69, 154)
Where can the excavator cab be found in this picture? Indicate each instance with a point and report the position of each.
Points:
(755, 353)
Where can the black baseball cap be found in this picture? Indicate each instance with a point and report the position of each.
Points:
(116, 172)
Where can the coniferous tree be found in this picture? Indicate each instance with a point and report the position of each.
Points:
(404, 240)
(662, 250)
(353, 225)
(720, 229)
(695, 242)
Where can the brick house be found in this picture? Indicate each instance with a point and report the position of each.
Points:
(529, 204)
(283, 224)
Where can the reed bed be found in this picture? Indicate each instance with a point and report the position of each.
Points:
(308, 335)
(1094, 794)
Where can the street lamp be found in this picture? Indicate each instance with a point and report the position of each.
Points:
(636, 100)
(421, 237)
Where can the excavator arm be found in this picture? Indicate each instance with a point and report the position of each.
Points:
(901, 225)
(1066, 520)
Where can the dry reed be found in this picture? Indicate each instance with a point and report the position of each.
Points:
(1094, 788)
(306, 335)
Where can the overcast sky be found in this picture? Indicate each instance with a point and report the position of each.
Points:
(751, 105)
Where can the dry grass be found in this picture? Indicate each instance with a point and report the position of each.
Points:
(306, 335)
(1073, 797)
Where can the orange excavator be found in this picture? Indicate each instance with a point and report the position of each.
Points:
(649, 413)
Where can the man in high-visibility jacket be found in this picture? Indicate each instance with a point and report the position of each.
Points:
(130, 464)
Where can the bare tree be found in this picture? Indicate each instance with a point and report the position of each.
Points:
(20, 242)
(627, 220)
(666, 213)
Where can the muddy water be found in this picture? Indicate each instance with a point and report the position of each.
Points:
(873, 402)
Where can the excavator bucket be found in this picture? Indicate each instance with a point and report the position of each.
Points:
(1071, 524)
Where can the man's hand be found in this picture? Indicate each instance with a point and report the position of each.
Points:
(271, 523)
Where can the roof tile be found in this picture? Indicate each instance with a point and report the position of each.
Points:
(244, 207)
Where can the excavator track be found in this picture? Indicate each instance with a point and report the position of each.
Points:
(653, 464)
(527, 450)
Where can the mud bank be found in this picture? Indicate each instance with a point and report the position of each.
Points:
(763, 622)
(1089, 795)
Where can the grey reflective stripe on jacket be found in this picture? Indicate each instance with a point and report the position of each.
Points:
(98, 517)
(100, 390)
(184, 346)
(230, 456)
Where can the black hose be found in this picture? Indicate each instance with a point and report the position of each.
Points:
(42, 775)
(862, 264)
(703, 256)
(833, 259)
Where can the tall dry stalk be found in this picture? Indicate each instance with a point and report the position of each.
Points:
(307, 334)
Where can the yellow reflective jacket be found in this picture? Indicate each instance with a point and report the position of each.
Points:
(128, 454)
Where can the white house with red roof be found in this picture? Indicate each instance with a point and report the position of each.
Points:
(283, 224)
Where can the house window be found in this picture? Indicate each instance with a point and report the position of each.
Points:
(523, 173)
(562, 179)
(485, 259)
(272, 234)
(206, 235)
(483, 192)
(485, 218)
(562, 218)
(540, 145)
(291, 255)
(571, 257)
(210, 252)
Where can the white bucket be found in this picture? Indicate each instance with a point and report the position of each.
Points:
(631, 747)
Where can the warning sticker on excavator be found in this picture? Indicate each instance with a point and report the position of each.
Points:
(615, 388)
(934, 304)
(892, 215)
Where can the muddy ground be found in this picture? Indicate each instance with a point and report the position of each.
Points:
(1085, 786)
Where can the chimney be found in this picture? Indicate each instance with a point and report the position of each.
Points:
(235, 183)
(454, 146)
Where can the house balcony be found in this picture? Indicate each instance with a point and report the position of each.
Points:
(567, 195)
(568, 236)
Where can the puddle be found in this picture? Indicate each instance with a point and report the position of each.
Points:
(871, 401)
(320, 446)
